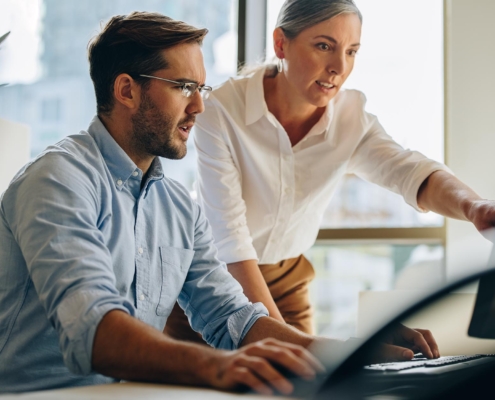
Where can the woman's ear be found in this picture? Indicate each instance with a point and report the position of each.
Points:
(126, 91)
(279, 42)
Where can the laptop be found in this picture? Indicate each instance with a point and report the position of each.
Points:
(455, 375)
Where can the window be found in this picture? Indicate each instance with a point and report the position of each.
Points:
(343, 269)
(50, 110)
(46, 54)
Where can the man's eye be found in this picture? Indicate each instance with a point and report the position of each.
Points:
(323, 46)
(352, 53)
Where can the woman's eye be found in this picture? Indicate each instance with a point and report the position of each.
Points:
(323, 46)
(352, 53)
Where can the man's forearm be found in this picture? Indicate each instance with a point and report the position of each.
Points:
(248, 274)
(127, 348)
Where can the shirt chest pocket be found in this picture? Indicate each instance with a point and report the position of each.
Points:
(175, 263)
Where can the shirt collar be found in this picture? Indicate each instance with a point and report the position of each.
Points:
(118, 162)
(323, 124)
(255, 99)
(256, 105)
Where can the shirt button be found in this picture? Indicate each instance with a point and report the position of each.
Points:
(141, 297)
(135, 173)
(119, 182)
(140, 250)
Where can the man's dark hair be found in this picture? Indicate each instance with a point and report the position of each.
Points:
(132, 44)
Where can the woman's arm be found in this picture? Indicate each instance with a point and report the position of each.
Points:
(444, 194)
(248, 274)
(220, 194)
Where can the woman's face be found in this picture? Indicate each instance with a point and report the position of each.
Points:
(318, 61)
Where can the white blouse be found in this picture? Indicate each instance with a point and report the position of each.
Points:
(264, 198)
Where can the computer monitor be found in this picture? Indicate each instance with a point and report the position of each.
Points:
(483, 320)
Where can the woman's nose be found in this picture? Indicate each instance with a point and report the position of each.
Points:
(337, 64)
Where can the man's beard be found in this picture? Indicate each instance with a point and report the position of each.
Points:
(153, 132)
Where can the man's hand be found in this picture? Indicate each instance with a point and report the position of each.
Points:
(254, 365)
(482, 214)
(403, 342)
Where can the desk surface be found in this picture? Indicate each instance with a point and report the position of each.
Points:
(133, 391)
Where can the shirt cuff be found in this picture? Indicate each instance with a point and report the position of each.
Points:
(241, 322)
(235, 249)
(78, 317)
(426, 169)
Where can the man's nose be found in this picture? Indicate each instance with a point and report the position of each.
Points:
(196, 105)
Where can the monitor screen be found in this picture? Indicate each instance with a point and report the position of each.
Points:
(483, 320)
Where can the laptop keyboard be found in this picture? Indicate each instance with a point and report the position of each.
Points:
(423, 362)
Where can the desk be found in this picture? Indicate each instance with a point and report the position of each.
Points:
(133, 391)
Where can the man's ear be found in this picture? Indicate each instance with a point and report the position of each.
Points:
(126, 91)
(279, 42)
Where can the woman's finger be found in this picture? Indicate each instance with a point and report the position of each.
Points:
(428, 336)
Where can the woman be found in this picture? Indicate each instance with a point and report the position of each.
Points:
(273, 145)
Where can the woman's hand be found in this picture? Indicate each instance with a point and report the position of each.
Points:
(403, 342)
(482, 214)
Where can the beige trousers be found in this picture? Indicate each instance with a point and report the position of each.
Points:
(288, 282)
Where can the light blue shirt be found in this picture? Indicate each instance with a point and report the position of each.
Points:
(80, 237)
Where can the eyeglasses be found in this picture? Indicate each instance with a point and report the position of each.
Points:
(187, 88)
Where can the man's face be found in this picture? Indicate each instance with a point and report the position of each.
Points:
(164, 119)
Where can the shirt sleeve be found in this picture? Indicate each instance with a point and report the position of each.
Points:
(53, 211)
(212, 299)
(220, 186)
(379, 159)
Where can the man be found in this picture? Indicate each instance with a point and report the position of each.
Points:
(96, 245)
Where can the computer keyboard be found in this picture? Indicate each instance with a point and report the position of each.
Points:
(418, 362)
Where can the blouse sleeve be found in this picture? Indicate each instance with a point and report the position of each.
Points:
(220, 186)
(379, 159)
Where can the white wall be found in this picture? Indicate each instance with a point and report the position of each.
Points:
(470, 123)
(14, 150)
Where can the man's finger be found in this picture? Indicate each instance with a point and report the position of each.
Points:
(284, 357)
(267, 373)
(301, 352)
(244, 376)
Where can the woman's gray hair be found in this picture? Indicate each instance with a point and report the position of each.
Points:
(298, 15)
